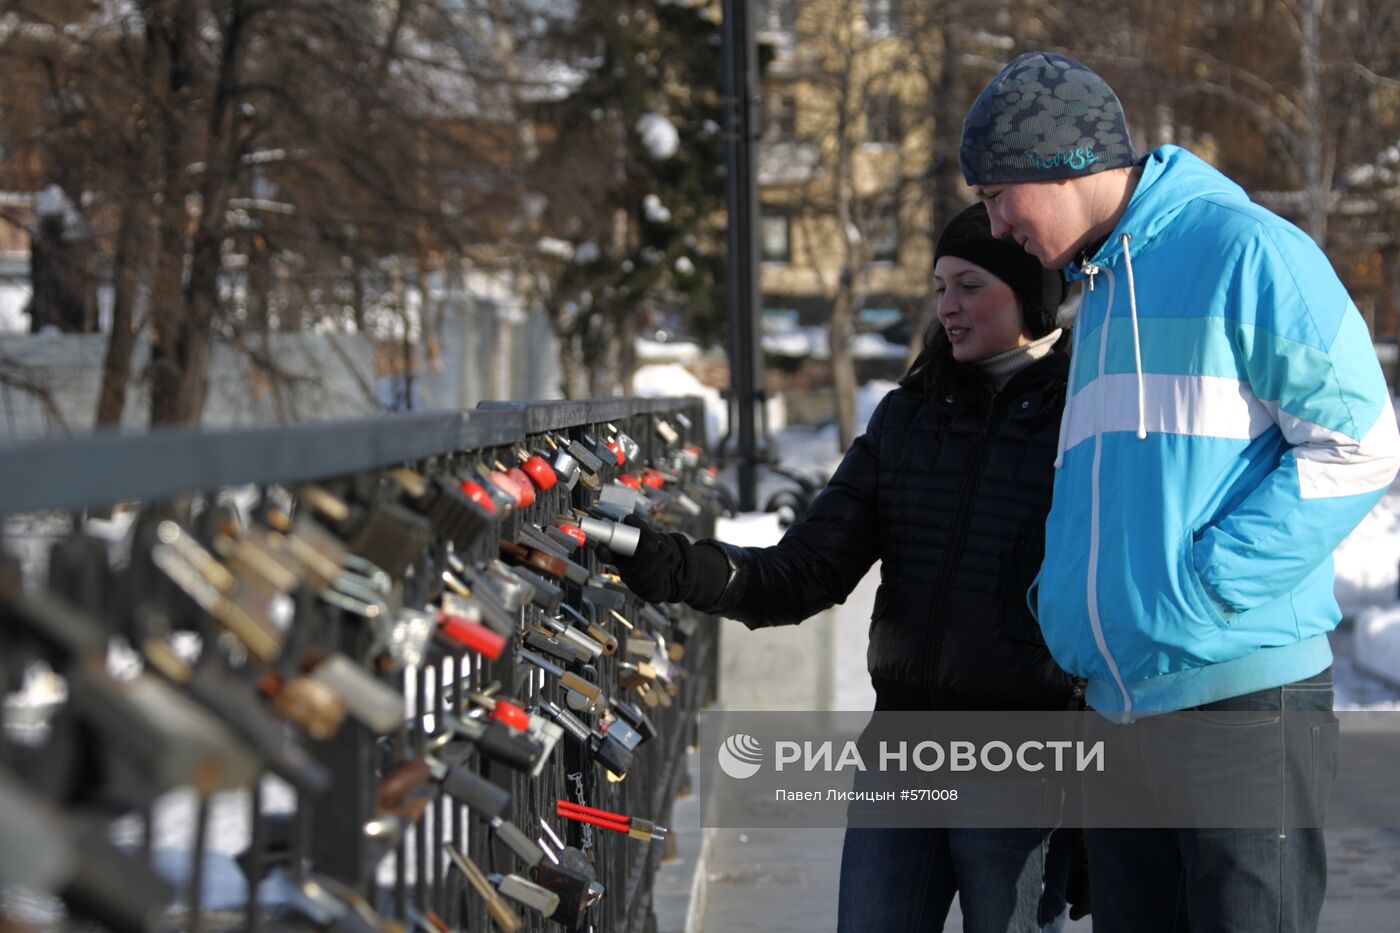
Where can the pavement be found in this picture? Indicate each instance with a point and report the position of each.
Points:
(779, 880)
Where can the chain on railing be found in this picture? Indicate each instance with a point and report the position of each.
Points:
(397, 638)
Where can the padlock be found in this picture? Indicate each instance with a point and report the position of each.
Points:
(609, 752)
(567, 468)
(539, 471)
(666, 432)
(587, 459)
(235, 702)
(478, 495)
(314, 706)
(454, 516)
(630, 480)
(608, 642)
(513, 749)
(375, 704)
(526, 893)
(635, 717)
(469, 633)
(501, 915)
(579, 693)
(513, 589)
(404, 639)
(621, 539)
(570, 536)
(216, 590)
(544, 593)
(589, 649)
(549, 643)
(392, 537)
(537, 559)
(571, 876)
(630, 448)
(525, 484)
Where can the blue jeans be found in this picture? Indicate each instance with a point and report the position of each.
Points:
(1226, 880)
(1007, 880)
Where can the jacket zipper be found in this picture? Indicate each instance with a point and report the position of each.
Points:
(1091, 583)
(957, 536)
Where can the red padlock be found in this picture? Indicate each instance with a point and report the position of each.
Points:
(652, 478)
(575, 532)
(472, 635)
(505, 483)
(616, 449)
(511, 715)
(527, 488)
(630, 481)
(478, 494)
(540, 472)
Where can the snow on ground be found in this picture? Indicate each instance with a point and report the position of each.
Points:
(814, 342)
(1368, 561)
(14, 299)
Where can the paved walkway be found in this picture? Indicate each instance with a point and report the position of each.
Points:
(776, 881)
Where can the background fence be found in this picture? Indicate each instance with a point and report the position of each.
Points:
(375, 631)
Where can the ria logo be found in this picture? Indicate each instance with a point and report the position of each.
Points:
(740, 756)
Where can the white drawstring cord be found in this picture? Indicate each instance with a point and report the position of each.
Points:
(1069, 386)
(1137, 342)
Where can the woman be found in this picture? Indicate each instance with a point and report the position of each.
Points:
(948, 488)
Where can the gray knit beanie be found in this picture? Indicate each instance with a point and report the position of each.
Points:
(1045, 117)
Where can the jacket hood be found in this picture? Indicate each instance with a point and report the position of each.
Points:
(1171, 179)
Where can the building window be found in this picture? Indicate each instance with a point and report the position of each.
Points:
(779, 117)
(884, 238)
(882, 120)
(882, 17)
(775, 232)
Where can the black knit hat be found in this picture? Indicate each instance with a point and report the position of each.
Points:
(1045, 117)
(1040, 290)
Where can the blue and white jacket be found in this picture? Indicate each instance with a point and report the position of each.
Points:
(1227, 426)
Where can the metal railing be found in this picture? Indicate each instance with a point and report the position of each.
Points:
(365, 670)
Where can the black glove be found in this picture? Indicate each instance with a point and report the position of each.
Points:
(667, 568)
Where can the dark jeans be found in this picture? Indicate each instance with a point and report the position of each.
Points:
(1007, 880)
(1225, 880)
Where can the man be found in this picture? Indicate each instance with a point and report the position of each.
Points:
(1227, 426)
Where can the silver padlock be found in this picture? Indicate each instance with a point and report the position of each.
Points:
(568, 468)
(621, 539)
(528, 894)
(404, 638)
(379, 707)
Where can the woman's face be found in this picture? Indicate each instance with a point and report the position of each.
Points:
(978, 311)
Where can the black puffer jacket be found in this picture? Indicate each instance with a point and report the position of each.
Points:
(952, 500)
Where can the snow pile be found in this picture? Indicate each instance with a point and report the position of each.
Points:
(14, 299)
(659, 135)
(1366, 560)
(1378, 642)
(670, 351)
(874, 346)
(815, 342)
(673, 379)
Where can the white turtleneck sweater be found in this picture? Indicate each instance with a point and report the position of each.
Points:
(1003, 366)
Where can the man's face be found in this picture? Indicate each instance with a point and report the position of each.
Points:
(1045, 217)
